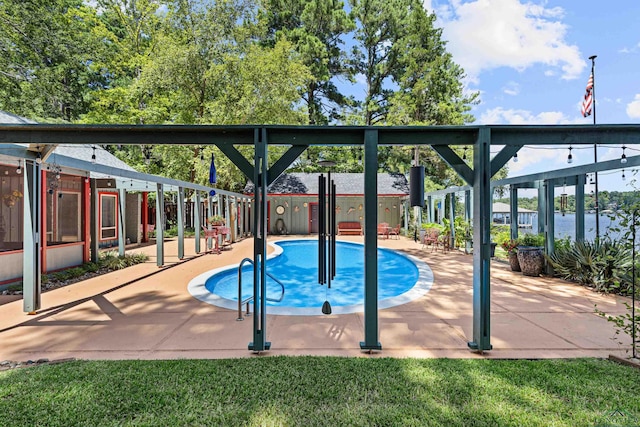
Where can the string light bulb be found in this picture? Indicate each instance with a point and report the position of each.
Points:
(623, 177)
(570, 156)
(515, 158)
(39, 158)
(623, 158)
(464, 154)
(19, 170)
(93, 156)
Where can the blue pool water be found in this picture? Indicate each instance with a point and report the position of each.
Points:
(400, 280)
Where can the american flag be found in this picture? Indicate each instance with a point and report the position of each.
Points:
(587, 103)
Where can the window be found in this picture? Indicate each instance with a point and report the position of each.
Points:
(64, 209)
(108, 216)
(11, 208)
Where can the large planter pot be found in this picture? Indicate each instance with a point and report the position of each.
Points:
(513, 261)
(531, 259)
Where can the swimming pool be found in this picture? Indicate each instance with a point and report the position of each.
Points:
(401, 279)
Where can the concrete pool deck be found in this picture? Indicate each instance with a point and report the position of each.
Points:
(146, 312)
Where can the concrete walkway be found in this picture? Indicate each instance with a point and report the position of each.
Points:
(146, 312)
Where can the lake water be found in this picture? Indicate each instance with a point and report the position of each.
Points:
(566, 225)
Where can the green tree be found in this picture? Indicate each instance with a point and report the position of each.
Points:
(50, 51)
(132, 33)
(430, 83)
(381, 25)
(316, 29)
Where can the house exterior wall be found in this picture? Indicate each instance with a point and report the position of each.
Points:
(64, 256)
(297, 211)
(10, 266)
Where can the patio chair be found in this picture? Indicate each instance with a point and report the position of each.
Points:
(395, 231)
(444, 241)
(431, 238)
(383, 229)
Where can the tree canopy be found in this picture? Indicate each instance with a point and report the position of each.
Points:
(370, 62)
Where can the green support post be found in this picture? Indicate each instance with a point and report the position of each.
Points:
(581, 180)
(549, 190)
(260, 177)
(452, 217)
(468, 218)
(370, 242)
(482, 243)
(180, 222)
(542, 206)
(209, 213)
(227, 215)
(513, 211)
(467, 206)
(122, 202)
(95, 214)
(197, 221)
(160, 225)
(31, 253)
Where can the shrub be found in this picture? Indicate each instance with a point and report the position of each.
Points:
(429, 225)
(603, 264)
(511, 246)
(112, 261)
(530, 239)
(91, 267)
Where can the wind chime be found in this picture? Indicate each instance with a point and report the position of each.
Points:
(326, 236)
(54, 178)
(563, 200)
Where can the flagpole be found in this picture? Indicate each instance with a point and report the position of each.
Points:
(595, 146)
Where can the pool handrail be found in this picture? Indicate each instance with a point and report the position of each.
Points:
(249, 299)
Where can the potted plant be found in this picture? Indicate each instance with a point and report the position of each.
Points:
(216, 220)
(531, 255)
(511, 248)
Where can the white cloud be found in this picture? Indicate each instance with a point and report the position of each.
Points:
(488, 34)
(500, 115)
(530, 157)
(633, 108)
(511, 88)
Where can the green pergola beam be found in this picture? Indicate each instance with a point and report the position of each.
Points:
(565, 134)
(284, 162)
(573, 171)
(237, 159)
(503, 157)
(456, 163)
(41, 134)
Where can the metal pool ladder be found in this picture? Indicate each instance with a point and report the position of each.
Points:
(248, 300)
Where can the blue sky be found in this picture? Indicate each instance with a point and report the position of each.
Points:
(529, 61)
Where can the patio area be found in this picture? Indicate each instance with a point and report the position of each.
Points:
(146, 312)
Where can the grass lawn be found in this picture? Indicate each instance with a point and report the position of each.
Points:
(328, 391)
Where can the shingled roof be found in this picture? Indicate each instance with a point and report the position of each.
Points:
(394, 184)
(80, 152)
